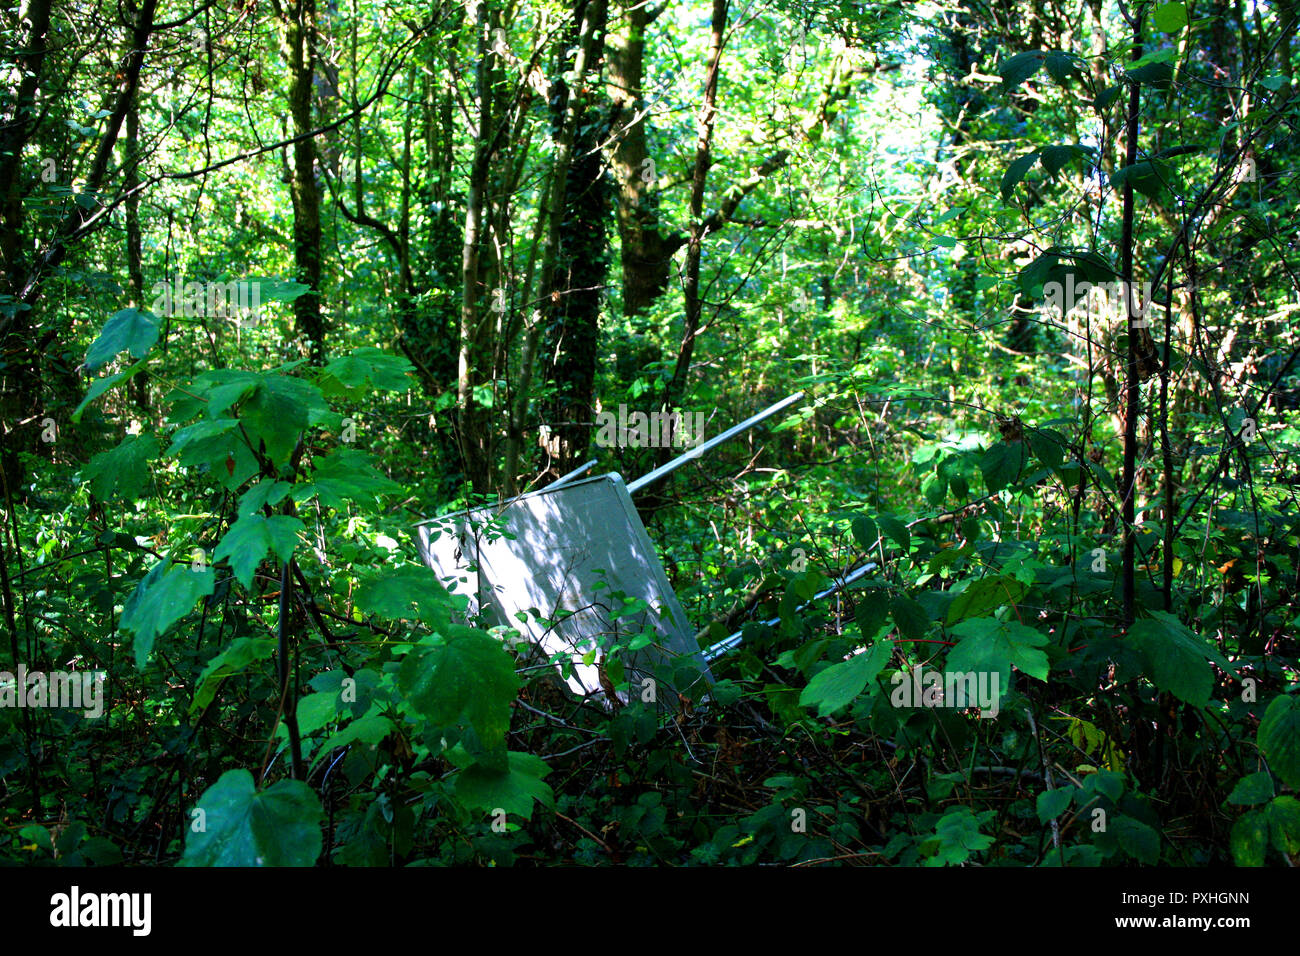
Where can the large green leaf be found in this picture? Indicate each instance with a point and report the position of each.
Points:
(217, 446)
(840, 684)
(865, 532)
(235, 659)
(514, 790)
(265, 492)
(871, 613)
(1279, 739)
(984, 595)
(1284, 824)
(165, 595)
(989, 645)
(1055, 158)
(135, 330)
(911, 618)
(248, 540)
(1149, 177)
(102, 385)
(466, 680)
(366, 368)
(1249, 839)
(1252, 789)
(123, 470)
(242, 826)
(1016, 171)
(369, 729)
(1016, 69)
(896, 530)
(1001, 464)
(344, 475)
(278, 411)
(1052, 803)
(1170, 17)
(1137, 839)
(409, 591)
(1175, 657)
(277, 289)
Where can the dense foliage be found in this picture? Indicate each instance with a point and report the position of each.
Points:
(281, 280)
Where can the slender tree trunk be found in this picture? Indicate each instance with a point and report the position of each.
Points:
(699, 228)
(299, 47)
(1133, 395)
(646, 255)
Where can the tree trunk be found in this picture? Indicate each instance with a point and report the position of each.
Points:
(299, 47)
(646, 255)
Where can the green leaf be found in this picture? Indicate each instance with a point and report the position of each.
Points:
(871, 613)
(1249, 839)
(1107, 97)
(218, 448)
(865, 532)
(234, 389)
(1016, 69)
(317, 710)
(102, 385)
(1016, 172)
(988, 645)
(1052, 803)
(165, 595)
(1252, 789)
(1048, 445)
(1170, 17)
(277, 412)
(277, 289)
(1284, 824)
(123, 470)
(985, 595)
(467, 680)
(265, 492)
(345, 475)
(1279, 739)
(726, 692)
(1137, 839)
(365, 369)
(1175, 657)
(1159, 74)
(249, 539)
(132, 329)
(369, 730)
(1054, 158)
(1062, 65)
(279, 826)
(406, 592)
(1001, 464)
(514, 790)
(911, 619)
(959, 835)
(896, 531)
(840, 684)
(1149, 177)
(1106, 783)
(235, 659)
